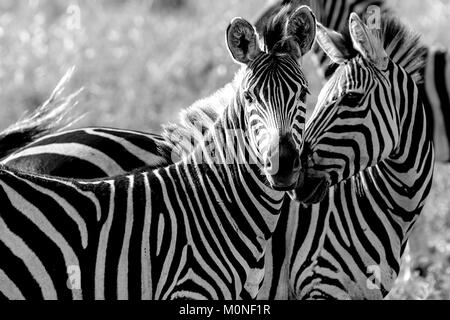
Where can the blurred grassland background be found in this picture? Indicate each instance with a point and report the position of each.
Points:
(141, 61)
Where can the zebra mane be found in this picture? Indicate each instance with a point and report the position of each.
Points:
(402, 45)
(197, 119)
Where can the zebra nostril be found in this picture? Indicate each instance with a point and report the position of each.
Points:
(267, 162)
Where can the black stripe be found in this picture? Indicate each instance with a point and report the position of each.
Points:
(116, 238)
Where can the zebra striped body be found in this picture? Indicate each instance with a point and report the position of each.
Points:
(368, 138)
(196, 229)
(146, 235)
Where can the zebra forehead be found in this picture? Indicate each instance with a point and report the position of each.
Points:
(275, 73)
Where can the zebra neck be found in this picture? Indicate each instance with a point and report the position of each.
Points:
(404, 179)
(225, 158)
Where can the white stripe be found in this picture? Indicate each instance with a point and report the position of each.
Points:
(122, 275)
(68, 209)
(146, 270)
(101, 251)
(145, 156)
(41, 222)
(9, 289)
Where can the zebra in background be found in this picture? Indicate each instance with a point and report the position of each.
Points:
(331, 14)
(435, 88)
(367, 141)
(97, 152)
(196, 229)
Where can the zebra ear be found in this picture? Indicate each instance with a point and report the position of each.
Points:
(301, 27)
(242, 41)
(366, 43)
(333, 44)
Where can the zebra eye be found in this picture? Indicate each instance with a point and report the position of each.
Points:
(248, 97)
(351, 98)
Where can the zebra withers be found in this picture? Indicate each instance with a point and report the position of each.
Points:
(196, 229)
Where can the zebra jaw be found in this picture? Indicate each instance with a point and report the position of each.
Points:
(310, 190)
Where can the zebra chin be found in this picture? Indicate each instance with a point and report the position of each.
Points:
(286, 182)
(310, 189)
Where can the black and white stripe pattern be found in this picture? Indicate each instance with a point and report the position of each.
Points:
(331, 14)
(435, 88)
(308, 239)
(369, 139)
(195, 229)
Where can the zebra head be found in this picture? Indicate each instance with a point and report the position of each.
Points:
(358, 119)
(271, 93)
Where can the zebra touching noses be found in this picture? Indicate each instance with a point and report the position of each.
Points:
(196, 229)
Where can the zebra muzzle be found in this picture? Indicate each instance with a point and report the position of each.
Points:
(282, 165)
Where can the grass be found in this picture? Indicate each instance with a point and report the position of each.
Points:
(141, 61)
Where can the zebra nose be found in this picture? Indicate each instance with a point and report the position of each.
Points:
(289, 161)
(283, 163)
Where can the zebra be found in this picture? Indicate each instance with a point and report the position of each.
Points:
(149, 147)
(196, 229)
(434, 92)
(368, 159)
(435, 87)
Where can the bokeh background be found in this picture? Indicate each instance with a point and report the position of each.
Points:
(141, 61)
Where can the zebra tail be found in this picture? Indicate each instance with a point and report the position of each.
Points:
(52, 116)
